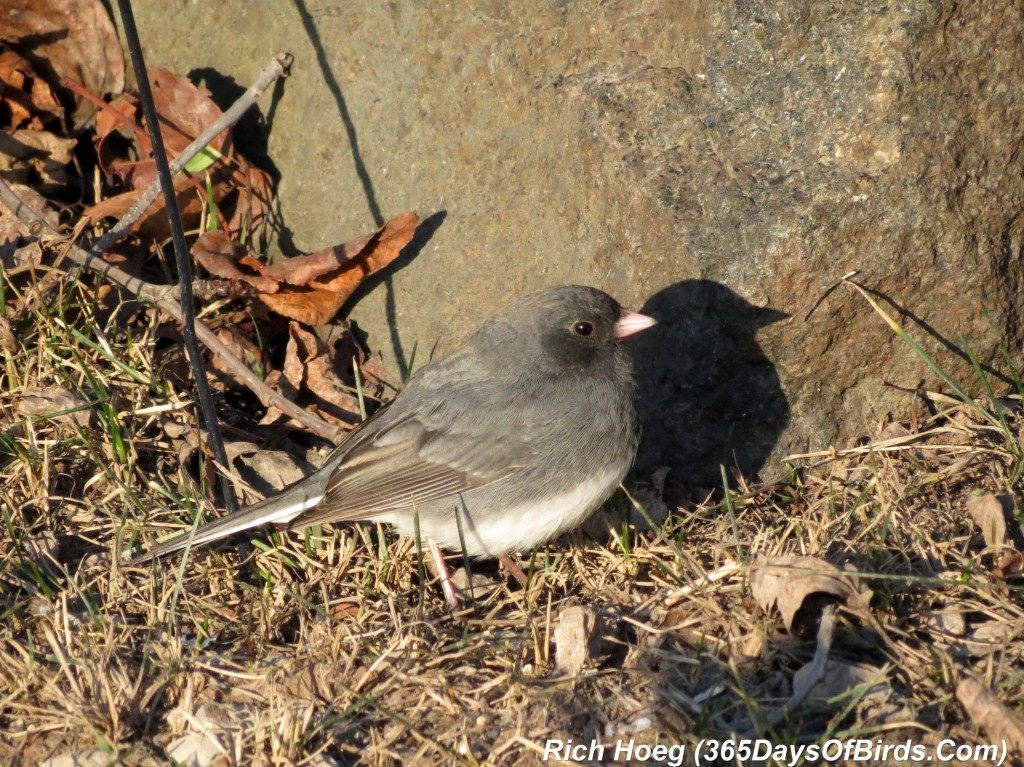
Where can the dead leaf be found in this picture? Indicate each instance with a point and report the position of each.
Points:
(245, 349)
(153, 223)
(207, 733)
(310, 288)
(90, 757)
(988, 514)
(218, 254)
(55, 403)
(949, 622)
(39, 158)
(266, 471)
(14, 252)
(255, 193)
(841, 678)
(330, 276)
(345, 610)
(26, 100)
(989, 637)
(991, 714)
(185, 110)
(795, 583)
(1009, 567)
(78, 40)
(578, 639)
(311, 366)
(242, 192)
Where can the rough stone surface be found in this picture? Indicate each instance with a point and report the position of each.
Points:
(711, 162)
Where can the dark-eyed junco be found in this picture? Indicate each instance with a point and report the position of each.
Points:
(522, 432)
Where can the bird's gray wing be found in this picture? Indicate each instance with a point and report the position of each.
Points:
(443, 445)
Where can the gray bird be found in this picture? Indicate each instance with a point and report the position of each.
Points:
(522, 431)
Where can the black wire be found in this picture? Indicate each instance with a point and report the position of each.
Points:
(181, 254)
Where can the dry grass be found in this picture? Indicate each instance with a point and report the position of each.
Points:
(327, 648)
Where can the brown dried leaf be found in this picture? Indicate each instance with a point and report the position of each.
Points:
(991, 714)
(185, 110)
(13, 251)
(791, 582)
(245, 349)
(332, 275)
(345, 610)
(78, 40)
(949, 622)
(377, 249)
(312, 307)
(28, 100)
(1009, 567)
(37, 157)
(578, 639)
(255, 195)
(224, 258)
(989, 515)
(153, 223)
(267, 471)
(310, 368)
(55, 403)
(841, 678)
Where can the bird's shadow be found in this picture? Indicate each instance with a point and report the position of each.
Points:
(708, 395)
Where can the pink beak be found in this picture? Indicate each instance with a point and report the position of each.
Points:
(631, 322)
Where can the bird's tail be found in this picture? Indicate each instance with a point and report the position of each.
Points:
(277, 510)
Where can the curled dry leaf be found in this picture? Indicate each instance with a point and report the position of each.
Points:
(56, 403)
(322, 282)
(17, 246)
(26, 100)
(999, 722)
(989, 515)
(77, 40)
(994, 516)
(208, 733)
(841, 678)
(311, 288)
(578, 639)
(1009, 567)
(222, 257)
(266, 471)
(37, 157)
(185, 110)
(794, 584)
(90, 757)
(312, 367)
(244, 348)
(949, 622)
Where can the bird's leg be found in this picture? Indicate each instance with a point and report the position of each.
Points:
(513, 569)
(442, 572)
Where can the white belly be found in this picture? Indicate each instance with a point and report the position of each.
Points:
(514, 529)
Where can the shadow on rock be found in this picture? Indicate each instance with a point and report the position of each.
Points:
(708, 396)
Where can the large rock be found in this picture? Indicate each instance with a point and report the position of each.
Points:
(717, 163)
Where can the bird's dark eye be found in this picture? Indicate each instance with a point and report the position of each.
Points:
(583, 329)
